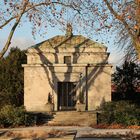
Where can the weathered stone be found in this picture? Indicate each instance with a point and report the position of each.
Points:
(74, 118)
(45, 68)
(80, 107)
(49, 107)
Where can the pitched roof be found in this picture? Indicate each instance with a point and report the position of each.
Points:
(75, 41)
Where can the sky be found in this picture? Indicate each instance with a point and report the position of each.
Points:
(24, 39)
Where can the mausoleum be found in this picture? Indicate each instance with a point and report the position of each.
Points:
(66, 71)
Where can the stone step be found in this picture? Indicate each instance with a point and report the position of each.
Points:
(71, 123)
(80, 121)
(73, 118)
(74, 112)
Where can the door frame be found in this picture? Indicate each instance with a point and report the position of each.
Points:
(67, 107)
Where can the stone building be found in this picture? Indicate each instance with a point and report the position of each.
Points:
(69, 70)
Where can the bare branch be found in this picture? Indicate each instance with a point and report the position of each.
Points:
(47, 4)
(26, 8)
(7, 21)
(119, 17)
(12, 31)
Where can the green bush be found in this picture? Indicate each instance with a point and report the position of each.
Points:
(121, 112)
(11, 116)
(12, 78)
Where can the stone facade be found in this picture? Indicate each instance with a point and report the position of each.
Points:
(88, 70)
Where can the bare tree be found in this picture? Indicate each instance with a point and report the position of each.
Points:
(40, 13)
(123, 18)
(128, 16)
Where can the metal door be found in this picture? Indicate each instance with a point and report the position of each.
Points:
(66, 95)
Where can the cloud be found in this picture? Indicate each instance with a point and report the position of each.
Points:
(21, 42)
(116, 59)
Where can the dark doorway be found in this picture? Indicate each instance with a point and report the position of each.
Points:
(66, 95)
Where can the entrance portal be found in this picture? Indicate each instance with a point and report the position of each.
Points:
(66, 95)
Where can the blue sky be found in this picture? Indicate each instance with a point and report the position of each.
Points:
(24, 39)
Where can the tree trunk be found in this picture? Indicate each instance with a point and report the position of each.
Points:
(137, 47)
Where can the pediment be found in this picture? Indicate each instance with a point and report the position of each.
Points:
(57, 42)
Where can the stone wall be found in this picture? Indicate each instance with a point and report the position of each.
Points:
(99, 89)
(41, 80)
(92, 54)
(45, 68)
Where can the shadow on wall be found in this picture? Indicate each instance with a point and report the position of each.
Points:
(49, 68)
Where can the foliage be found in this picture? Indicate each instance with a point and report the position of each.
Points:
(127, 81)
(12, 116)
(122, 112)
(11, 78)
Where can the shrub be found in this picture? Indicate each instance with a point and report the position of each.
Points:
(121, 112)
(12, 78)
(12, 116)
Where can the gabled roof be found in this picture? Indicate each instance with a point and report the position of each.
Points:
(74, 41)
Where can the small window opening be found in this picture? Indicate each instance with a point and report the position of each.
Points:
(67, 59)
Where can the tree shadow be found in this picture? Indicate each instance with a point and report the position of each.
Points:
(88, 77)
